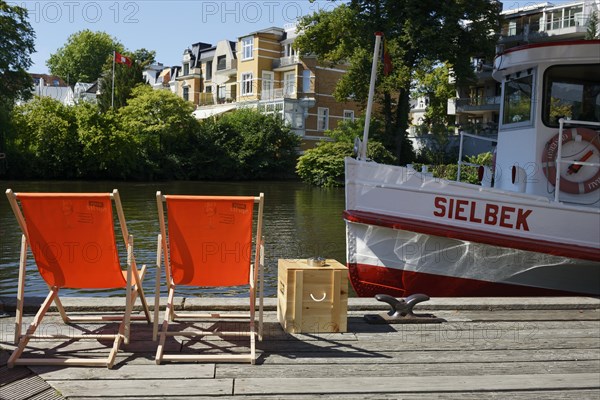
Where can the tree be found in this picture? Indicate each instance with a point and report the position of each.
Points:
(16, 46)
(324, 164)
(165, 131)
(15, 53)
(417, 32)
(83, 57)
(106, 151)
(45, 139)
(125, 77)
(592, 27)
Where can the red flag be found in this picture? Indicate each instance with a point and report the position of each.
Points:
(386, 60)
(121, 59)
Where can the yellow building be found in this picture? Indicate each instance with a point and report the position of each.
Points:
(263, 70)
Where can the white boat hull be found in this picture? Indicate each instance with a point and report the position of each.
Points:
(408, 233)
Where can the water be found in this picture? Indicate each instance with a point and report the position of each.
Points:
(300, 221)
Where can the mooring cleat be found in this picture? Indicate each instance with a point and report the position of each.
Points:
(401, 311)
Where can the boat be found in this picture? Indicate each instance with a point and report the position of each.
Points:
(530, 228)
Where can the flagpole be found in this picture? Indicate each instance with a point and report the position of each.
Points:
(363, 152)
(112, 97)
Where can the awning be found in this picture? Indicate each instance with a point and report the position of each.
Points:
(211, 111)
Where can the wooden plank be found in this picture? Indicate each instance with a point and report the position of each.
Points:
(23, 389)
(512, 395)
(129, 372)
(8, 375)
(432, 356)
(144, 387)
(439, 384)
(395, 369)
(48, 394)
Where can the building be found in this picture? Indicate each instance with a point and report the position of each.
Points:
(261, 70)
(52, 86)
(477, 107)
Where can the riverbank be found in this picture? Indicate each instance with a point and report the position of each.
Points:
(523, 348)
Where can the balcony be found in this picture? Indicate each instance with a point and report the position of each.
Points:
(478, 104)
(286, 61)
(278, 94)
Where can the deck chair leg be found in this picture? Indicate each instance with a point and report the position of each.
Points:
(32, 328)
(157, 289)
(165, 326)
(139, 277)
(21, 290)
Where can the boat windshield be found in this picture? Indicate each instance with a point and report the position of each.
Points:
(518, 100)
(571, 92)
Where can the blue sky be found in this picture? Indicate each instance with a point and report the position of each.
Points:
(168, 27)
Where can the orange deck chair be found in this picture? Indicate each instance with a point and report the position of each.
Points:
(209, 244)
(72, 239)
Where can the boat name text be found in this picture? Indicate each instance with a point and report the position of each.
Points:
(492, 214)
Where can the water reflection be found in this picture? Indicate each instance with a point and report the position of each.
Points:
(299, 222)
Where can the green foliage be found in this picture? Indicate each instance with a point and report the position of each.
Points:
(413, 30)
(16, 46)
(45, 134)
(106, 151)
(324, 165)
(154, 137)
(84, 56)
(125, 77)
(267, 147)
(592, 31)
(163, 125)
(468, 173)
(434, 82)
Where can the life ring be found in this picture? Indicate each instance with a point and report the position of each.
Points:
(549, 161)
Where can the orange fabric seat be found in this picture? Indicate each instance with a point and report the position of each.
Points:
(209, 243)
(72, 239)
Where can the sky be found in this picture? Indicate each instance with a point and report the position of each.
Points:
(166, 26)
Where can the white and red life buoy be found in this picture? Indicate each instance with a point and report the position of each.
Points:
(549, 161)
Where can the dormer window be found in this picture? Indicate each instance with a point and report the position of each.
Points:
(221, 63)
(248, 48)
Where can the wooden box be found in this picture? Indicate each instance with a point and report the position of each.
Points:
(312, 299)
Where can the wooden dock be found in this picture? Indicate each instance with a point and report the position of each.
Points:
(535, 348)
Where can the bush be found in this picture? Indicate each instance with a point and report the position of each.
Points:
(324, 165)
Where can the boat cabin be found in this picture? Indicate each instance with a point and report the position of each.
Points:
(545, 85)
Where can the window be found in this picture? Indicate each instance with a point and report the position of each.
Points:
(186, 93)
(518, 98)
(348, 115)
(571, 92)
(306, 81)
(267, 92)
(289, 83)
(209, 89)
(186, 69)
(209, 66)
(323, 119)
(247, 84)
(247, 48)
(221, 63)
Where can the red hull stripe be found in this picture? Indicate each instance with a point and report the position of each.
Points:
(369, 280)
(473, 235)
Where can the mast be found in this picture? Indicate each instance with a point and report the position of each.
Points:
(363, 149)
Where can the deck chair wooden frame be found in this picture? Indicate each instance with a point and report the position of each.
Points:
(255, 282)
(131, 278)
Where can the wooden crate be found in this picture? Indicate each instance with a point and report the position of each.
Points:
(312, 299)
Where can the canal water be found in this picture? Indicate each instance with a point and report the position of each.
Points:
(300, 221)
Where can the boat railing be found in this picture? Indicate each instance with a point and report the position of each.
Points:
(559, 159)
(460, 151)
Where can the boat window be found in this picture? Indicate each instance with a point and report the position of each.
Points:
(518, 98)
(571, 92)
